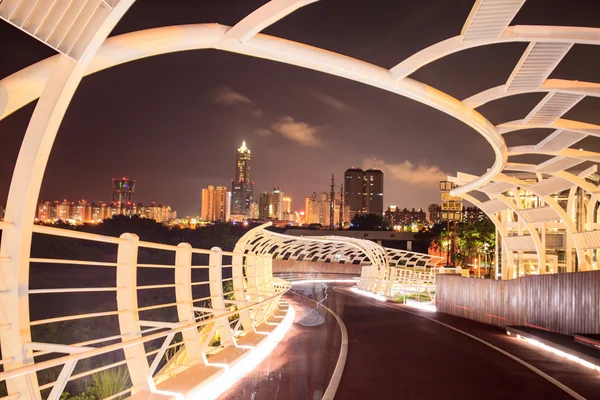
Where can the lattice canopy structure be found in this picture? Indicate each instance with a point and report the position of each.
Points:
(329, 249)
(546, 213)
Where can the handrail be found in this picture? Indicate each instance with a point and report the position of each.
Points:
(68, 233)
(119, 346)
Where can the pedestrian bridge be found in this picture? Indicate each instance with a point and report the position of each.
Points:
(194, 326)
(233, 293)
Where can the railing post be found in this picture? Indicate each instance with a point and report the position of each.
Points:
(127, 259)
(183, 293)
(215, 277)
(237, 272)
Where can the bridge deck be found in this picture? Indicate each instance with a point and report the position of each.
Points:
(393, 353)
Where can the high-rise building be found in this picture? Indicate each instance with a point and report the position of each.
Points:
(363, 191)
(278, 203)
(242, 187)
(208, 201)
(373, 191)
(266, 206)
(354, 193)
(287, 204)
(228, 207)
(253, 214)
(214, 202)
(311, 210)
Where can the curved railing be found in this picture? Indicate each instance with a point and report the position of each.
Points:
(148, 311)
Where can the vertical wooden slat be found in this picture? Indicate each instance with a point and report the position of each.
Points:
(566, 303)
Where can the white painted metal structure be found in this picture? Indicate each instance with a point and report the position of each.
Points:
(78, 29)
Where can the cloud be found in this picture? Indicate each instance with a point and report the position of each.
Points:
(408, 172)
(263, 132)
(297, 131)
(328, 100)
(228, 96)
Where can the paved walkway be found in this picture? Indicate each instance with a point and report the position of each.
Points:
(396, 353)
(301, 365)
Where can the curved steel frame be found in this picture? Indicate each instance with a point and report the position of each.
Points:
(55, 80)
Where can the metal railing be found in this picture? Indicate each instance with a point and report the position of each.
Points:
(151, 309)
(394, 281)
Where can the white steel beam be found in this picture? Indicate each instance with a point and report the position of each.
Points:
(519, 33)
(263, 17)
(591, 89)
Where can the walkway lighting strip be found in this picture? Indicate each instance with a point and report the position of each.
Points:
(322, 281)
(219, 385)
(560, 353)
(368, 294)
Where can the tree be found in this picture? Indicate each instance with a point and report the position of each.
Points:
(369, 222)
(471, 239)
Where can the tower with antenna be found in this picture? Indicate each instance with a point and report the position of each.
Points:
(332, 203)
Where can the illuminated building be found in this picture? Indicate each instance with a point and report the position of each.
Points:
(311, 210)
(228, 207)
(405, 217)
(266, 202)
(363, 191)
(354, 193)
(214, 203)
(278, 203)
(373, 189)
(82, 211)
(242, 187)
(100, 211)
(287, 204)
(473, 214)
(253, 213)
(208, 195)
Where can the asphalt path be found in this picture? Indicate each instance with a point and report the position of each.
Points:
(395, 352)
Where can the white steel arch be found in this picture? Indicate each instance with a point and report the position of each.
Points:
(84, 50)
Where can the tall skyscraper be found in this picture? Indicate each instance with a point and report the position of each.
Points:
(214, 202)
(242, 187)
(363, 191)
(374, 191)
(278, 203)
(354, 193)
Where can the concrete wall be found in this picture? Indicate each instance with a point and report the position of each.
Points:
(306, 267)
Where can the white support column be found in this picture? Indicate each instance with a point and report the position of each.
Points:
(129, 319)
(23, 196)
(185, 305)
(215, 277)
(237, 271)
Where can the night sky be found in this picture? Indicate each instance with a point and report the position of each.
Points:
(173, 122)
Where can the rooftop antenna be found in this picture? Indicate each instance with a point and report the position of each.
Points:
(341, 218)
(331, 203)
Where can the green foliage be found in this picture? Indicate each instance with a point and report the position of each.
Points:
(369, 222)
(472, 238)
(109, 382)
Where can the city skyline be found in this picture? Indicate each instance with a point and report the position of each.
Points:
(298, 122)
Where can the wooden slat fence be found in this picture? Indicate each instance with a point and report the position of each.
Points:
(564, 303)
